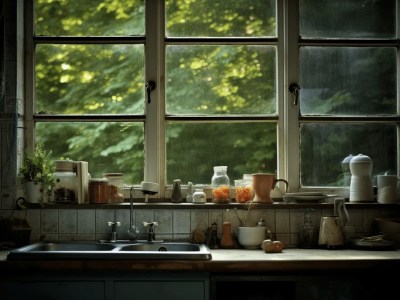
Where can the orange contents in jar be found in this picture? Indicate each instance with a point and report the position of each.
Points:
(244, 193)
(221, 194)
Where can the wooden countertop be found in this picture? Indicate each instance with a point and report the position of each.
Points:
(291, 261)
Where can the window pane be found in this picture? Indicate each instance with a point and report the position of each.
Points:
(324, 146)
(194, 149)
(221, 80)
(107, 147)
(348, 81)
(347, 19)
(89, 17)
(71, 80)
(211, 18)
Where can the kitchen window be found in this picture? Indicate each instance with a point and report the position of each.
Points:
(222, 72)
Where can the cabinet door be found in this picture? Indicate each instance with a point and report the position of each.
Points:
(162, 289)
(57, 290)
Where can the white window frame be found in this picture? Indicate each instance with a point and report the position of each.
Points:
(288, 144)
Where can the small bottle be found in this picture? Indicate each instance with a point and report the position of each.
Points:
(199, 196)
(213, 238)
(308, 233)
(220, 184)
(176, 196)
(226, 239)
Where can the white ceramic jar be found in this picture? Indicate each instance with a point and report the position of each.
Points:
(199, 196)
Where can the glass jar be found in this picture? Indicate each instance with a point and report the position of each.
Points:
(199, 196)
(244, 190)
(98, 190)
(115, 187)
(65, 188)
(220, 185)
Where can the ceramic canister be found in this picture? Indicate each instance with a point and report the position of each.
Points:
(361, 189)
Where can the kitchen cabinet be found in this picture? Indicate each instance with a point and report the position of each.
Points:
(110, 286)
(304, 287)
(53, 290)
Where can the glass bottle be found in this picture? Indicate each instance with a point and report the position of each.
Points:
(308, 233)
(220, 185)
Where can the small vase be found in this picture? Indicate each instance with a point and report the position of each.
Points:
(33, 193)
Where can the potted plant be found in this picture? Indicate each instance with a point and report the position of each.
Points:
(37, 173)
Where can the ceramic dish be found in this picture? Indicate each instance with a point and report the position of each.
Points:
(306, 197)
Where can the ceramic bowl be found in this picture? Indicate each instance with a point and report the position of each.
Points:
(251, 237)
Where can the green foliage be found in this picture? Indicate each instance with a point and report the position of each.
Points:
(38, 166)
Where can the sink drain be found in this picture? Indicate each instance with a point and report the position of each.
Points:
(162, 249)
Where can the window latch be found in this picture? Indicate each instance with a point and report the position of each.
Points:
(150, 86)
(294, 88)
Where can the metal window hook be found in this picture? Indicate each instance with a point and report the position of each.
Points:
(294, 88)
(150, 86)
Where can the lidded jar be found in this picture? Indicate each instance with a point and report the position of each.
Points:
(220, 185)
(199, 196)
(65, 189)
(115, 187)
(361, 189)
(98, 190)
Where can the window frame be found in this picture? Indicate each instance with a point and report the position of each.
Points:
(288, 118)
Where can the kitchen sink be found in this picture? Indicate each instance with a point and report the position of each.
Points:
(111, 250)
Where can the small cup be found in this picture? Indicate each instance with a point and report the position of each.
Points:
(251, 237)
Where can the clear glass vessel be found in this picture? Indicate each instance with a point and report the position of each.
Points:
(220, 184)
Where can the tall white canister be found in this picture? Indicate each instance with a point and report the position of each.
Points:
(361, 188)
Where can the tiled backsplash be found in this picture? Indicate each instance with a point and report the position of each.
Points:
(178, 223)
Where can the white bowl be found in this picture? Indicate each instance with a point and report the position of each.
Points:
(251, 237)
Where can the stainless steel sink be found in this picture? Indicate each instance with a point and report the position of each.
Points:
(104, 250)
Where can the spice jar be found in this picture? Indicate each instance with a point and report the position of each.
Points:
(220, 184)
(115, 187)
(98, 190)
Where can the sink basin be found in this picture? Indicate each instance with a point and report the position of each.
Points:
(178, 247)
(111, 250)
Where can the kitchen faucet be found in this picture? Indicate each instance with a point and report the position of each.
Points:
(113, 226)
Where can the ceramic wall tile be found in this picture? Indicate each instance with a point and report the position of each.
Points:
(181, 221)
(282, 221)
(164, 219)
(122, 216)
(67, 221)
(49, 221)
(103, 216)
(296, 220)
(86, 221)
(199, 220)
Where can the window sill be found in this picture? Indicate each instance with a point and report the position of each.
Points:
(208, 205)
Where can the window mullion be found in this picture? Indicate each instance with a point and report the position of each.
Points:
(291, 118)
(154, 137)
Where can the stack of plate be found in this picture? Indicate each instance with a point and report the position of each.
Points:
(306, 197)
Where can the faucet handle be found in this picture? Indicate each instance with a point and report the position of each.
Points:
(145, 224)
(114, 224)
